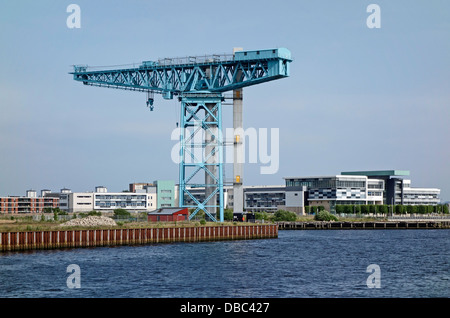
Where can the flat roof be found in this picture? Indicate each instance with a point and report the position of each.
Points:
(378, 173)
(322, 177)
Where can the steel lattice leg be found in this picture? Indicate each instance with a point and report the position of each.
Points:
(201, 151)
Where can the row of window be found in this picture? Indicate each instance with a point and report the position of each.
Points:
(120, 197)
(120, 204)
(325, 183)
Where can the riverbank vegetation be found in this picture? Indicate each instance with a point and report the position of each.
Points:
(124, 219)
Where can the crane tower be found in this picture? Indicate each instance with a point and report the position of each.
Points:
(200, 83)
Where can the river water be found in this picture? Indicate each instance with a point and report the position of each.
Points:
(298, 264)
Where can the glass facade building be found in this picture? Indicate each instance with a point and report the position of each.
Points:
(328, 191)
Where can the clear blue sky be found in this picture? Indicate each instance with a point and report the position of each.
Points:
(357, 98)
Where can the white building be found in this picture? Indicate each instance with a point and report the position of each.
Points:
(104, 201)
(419, 196)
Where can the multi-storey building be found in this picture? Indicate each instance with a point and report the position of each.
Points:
(27, 204)
(104, 201)
(328, 191)
(398, 190)
(264, 198)
(164, 192)
(416, 196)
(356, 187)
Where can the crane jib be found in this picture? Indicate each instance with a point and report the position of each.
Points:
(182, 75)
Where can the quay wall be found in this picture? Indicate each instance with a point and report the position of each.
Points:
(54, 239)
(336, 225)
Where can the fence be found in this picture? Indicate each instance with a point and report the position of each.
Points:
(28, 240)
(416, 217)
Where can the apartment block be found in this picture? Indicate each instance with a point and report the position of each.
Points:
(27, 204)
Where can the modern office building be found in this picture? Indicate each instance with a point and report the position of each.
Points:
(398, 190)
(264, 198)
(356, 187)
(328, 191)
(418, 196)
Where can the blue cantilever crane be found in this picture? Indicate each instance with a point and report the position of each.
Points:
(200, 83)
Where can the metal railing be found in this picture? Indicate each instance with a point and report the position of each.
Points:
(202, 59)
(186, 60)
(419, 217)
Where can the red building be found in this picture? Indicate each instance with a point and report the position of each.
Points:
(15, 205)
(168, 214)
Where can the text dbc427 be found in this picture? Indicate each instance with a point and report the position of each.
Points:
(246, 307)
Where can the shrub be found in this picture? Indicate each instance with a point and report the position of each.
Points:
(262, 216)
(228, 215)
(325, 216)
(122, 213)
(282, 215)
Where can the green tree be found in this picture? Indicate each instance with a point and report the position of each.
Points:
(339, 209)
(399, 209)
(422, 209)
(348, 209)
(412, 209)
(364, 209)
(382, 209)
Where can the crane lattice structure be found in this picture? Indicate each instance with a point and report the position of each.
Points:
(199, 83)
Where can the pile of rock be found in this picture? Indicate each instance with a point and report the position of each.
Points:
(91, 221)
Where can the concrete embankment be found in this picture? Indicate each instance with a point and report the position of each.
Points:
(337, 225)
(30, 240)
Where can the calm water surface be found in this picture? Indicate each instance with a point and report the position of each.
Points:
(323, 263)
